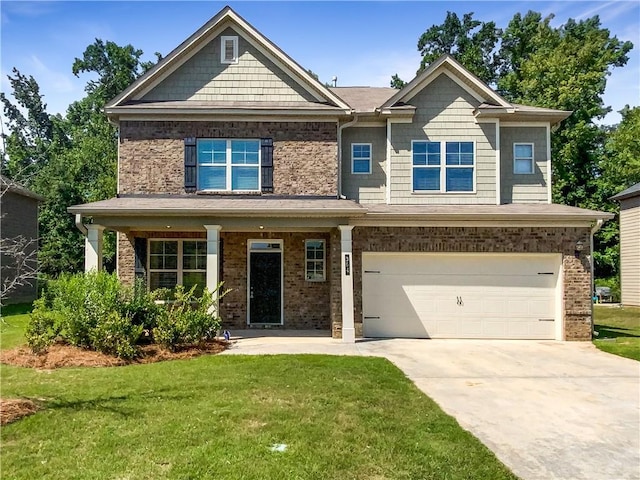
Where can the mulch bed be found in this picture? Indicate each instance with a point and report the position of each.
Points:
(59, 356)
(12, 409)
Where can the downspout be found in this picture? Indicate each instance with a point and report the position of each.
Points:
(594, 229)
(340, 128)
(81, 226)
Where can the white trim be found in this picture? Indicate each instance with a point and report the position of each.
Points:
(549, 199)
(280, 250)
(324, 260)
(498, 165)
(227, 116)
(524, 124)
(180, 260)
(229, 165)
(346, 283)
(213, 257)
(93, 242)
(354, 144)
(443, 169)
(223, 49)
(533, 158)
(388, 163)
(379, 221)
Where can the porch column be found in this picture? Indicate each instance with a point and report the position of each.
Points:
(213, 259)
(93, 248)
(348, 328)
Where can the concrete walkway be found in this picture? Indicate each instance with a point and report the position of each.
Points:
(548, 410)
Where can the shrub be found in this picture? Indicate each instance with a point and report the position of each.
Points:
(116, 335)
(43, 328)
(188, 319)
(142, 309)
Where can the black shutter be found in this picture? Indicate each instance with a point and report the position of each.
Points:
(140, 249)
(267, 165)
(190, 165)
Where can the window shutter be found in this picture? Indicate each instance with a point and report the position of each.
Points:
(190, 165)
(140, 251)
(266, 145)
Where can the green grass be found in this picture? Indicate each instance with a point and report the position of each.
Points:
(218, 417)
(13, 323)
(618, 330)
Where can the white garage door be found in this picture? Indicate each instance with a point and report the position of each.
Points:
(423, 295)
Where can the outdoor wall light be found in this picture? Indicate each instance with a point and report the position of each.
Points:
(579, 247)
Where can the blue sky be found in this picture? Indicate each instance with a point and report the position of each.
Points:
(362, 43)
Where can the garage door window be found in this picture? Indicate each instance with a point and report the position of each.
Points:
(429, 174)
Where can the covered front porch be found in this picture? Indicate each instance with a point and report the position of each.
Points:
(286, 261)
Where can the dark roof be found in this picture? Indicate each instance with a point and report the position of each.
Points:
(632, 191)
(19, 189)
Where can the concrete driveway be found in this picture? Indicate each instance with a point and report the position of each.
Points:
(548, 410)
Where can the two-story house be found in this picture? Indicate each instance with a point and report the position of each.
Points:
(420, 212)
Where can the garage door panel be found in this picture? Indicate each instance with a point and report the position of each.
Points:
(459, 296)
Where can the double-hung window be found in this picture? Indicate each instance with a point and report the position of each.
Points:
(228, 165)
(432, 174)
(315, 260)
(360, 158)
(177, 262)
(523, 158)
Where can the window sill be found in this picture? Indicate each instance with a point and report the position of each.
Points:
(228, 192)
(439, 194)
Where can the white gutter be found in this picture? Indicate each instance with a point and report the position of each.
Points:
(340, 128)
(594, 229)
(81, 226)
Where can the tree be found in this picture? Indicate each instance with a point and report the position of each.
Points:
(34, 135)
(397, 82)
(73, 159)
(469, 41)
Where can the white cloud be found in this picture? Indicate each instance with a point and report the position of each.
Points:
(59, 89)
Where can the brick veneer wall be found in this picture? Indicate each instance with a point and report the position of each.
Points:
(306, 304)
(576, 273)
(151, 156)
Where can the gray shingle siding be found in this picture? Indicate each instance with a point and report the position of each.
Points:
(444, 113)
(369, 188)
(524, 188)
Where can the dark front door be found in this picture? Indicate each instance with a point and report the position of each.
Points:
(265, 287)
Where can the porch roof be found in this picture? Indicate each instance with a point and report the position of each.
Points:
(221, 206)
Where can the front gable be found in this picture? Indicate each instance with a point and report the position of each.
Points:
(195, 76)
(252, 78)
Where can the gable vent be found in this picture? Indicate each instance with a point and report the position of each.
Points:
(229, 49)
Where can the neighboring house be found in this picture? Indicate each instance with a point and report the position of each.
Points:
(421, 212)
(629, 244)
(18, 229)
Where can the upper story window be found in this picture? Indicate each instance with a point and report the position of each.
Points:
(523, 158)
(228, 165)
(229, 49)
(431, 174)
(360, 158)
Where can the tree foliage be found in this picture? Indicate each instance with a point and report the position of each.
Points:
(72, 159)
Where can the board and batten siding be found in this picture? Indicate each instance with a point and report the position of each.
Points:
(444, 112)
(253, 79)
(524, 188)
(365, 188)
(630, 250)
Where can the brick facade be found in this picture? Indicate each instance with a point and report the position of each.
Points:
(305, 154)
(576, 272)
(307, 305)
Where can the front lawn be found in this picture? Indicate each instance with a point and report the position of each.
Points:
(220, 416)
(618, 330)
(12, 325)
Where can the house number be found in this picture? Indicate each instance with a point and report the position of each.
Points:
(347, 264)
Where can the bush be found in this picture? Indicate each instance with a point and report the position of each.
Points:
(43, 328)
(85, 310)
(188, 319)
(143, 310)
(116, 335)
